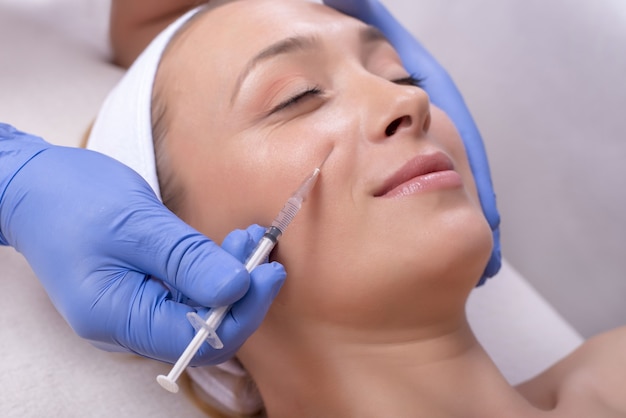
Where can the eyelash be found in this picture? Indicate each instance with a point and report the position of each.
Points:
(311, 91)
(410, 80)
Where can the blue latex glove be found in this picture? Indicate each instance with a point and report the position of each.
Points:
(95, 234)
(444, 94)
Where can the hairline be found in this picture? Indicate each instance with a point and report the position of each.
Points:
(172, 191)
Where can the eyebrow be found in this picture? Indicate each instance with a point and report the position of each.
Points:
(367, 34)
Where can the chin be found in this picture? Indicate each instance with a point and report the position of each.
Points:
(464, 250)
(391, 271)
(451, 249)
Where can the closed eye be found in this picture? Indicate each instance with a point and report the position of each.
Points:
(411, 80)
(311, 91)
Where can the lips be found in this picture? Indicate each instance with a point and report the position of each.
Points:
(420, 166)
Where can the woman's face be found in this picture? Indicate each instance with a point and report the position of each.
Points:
(257, 95)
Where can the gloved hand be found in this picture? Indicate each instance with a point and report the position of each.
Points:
(444, 94)
(98, 238)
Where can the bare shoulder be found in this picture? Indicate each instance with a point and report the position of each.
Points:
(134, 23)
(602, 367)
(593, 377)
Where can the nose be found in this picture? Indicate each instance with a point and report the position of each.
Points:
(396, 110)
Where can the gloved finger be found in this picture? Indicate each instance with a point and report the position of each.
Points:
(240, 243)
(155, 326)
(495, 262)
(356, 8)
(135, 312)
(178, 254)
(246, 315)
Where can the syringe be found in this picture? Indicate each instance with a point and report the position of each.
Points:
(207, 328)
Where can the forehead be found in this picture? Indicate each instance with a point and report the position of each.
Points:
(237, 30)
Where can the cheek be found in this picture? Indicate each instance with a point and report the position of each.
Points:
(243, 179)
(224, 188)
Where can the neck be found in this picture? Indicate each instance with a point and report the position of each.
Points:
(442, 371)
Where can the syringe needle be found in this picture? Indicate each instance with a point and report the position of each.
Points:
(207, 328)
(303, 191)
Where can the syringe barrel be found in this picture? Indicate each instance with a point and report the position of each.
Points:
(263, 249)
(287, 213)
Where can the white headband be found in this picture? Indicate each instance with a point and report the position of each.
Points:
(123, 127)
